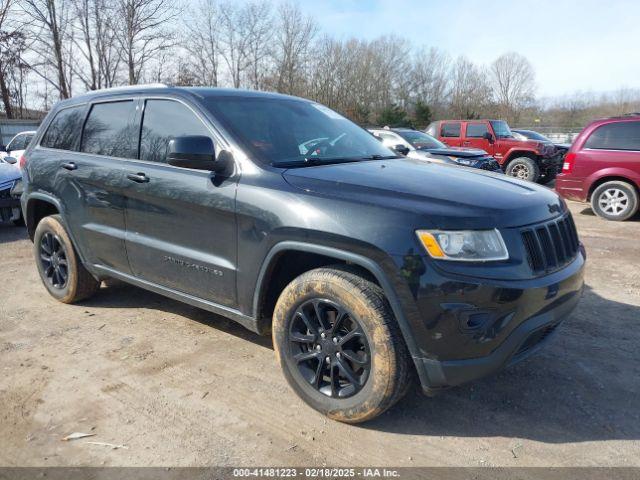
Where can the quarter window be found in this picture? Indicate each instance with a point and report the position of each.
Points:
(110, 130)
(450, 130)
(164, 120)
(64, 130)
(476, 130)
(616, 136)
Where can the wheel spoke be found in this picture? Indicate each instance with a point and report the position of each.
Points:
(348, 372)
(318, 375)
(320, 316)
(340, 318)
(349, 336)
(305, 356)
(302, 338)
(312, 328)
(334, 379)
(353, 357)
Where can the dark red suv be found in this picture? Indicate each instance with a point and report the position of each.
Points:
(531, 160)
(603, 167)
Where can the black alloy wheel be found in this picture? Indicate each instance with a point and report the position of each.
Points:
(330, 348)
(53, 257)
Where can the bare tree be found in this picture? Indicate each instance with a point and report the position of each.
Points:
(143, 33)
(429, 78)
(470, 93)
(258, 18)
(11, 44)
(203, 43)
(50, 34)
(99, 59)
(294, 37)
(513, 81)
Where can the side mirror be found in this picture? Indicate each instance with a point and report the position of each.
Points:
(401, 149)
(3, 147)
(488, 136)
(192, 151)
(11, 160)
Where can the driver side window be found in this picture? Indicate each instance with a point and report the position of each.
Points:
(162, 121)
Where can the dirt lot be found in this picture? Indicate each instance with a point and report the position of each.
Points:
(179, 386)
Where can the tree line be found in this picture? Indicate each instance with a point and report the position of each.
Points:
(53, 49)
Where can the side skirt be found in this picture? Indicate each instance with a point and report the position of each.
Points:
(246, 321)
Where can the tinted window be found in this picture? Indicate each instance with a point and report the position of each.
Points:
(501, 129)
(281, 131)
(476, 130)
(64, 130)
(616, 136)
(450, 130)
(164, 120)
(110, 130)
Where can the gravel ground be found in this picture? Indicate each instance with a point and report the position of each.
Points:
(178, 386)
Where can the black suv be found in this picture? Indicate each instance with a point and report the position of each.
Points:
(277, 212)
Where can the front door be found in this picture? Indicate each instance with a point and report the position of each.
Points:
(450, 133)
(181, 223)
(476, 137)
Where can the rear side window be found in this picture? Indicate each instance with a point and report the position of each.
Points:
(616, 136)
(450, 130)
(164, 120)
(110, 130)
(476, 130)
(64, 130)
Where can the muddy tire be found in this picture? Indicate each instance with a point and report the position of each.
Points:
(59, 266)
(615, 200)
(339, 345)
(524, 168)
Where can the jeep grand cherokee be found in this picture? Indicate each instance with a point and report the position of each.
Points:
(278, 213)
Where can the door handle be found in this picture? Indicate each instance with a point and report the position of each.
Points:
(466, 143)
(69, 166)
(138, 177)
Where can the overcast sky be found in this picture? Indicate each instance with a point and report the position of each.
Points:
(588, 45)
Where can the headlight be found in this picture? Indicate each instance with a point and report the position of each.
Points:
(464, 161)
(464, 245)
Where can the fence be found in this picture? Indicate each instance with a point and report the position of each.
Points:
(8, 128)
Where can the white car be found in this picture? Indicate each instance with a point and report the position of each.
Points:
(17, 146)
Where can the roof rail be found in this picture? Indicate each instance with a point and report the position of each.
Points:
(142, 86)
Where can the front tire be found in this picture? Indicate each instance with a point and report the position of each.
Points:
(615, 200)
(59, 266)
(524, 168)
(339, 345)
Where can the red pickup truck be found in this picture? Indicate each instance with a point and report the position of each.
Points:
(526, 159)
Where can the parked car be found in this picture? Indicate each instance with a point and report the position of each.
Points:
(561, 148)
(415, 144)
(528, 160)
(16, 147)
(366, 268)
(10, 178)
(603, 167)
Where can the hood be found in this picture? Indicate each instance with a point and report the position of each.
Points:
(8, 173)
(443, 196)
(459, 152)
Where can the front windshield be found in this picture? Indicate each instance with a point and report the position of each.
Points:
(283, 132)
(501, 129)
(421, 140)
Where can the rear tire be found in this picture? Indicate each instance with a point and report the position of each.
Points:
(315, 319)
(615, 200)
(60, 268)
(524, 168)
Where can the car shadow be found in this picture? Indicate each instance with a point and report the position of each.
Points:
(582, 386)
(117, 294)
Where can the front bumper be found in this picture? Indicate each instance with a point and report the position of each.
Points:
(466, 328)
(9, 204)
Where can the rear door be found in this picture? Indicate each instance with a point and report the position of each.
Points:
(181, 223)
(474, 136)
(88, 183)
(450, 133)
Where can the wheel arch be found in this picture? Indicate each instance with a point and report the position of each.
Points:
(513, 154)
(332, 256)
(611, 177)
(38, 206)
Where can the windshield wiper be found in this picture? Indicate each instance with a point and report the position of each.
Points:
(311, 161)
